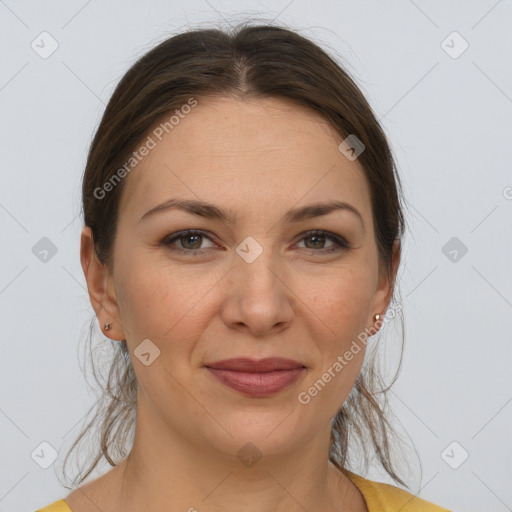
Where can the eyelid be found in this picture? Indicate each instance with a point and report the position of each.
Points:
(173, 237)
(328, 234)
(340, 243)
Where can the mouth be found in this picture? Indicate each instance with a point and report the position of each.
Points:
(257, 378)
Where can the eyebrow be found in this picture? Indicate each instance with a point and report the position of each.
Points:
(210, 211)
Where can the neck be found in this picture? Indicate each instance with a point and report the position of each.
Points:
(167, 472)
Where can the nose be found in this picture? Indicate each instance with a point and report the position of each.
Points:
(258, 296)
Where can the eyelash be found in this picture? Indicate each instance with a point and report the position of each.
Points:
(340, 243)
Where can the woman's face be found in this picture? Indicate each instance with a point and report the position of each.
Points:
(260, 287)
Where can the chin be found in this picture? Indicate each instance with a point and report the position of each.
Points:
(255, 433)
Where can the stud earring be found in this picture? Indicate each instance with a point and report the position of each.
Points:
(108, 325)
(377, 317)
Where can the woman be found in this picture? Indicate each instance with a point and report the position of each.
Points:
(241, 243)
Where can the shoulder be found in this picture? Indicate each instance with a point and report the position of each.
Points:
(57, 506)
(382, 497)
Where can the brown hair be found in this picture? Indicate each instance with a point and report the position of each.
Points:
(253, 62)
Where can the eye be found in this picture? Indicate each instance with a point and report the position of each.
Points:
(189, 242)
(319, 237)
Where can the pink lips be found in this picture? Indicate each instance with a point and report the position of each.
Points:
(257, 378)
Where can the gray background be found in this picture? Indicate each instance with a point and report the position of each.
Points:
(448, 118)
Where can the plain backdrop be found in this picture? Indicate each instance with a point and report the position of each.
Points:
(438, 76)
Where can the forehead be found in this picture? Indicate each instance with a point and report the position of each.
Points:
(242, 153)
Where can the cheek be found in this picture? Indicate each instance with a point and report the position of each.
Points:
(342, 302)
(159, 301)
(341, 306)
(341, 356)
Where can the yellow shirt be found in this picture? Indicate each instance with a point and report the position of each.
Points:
(379, 497)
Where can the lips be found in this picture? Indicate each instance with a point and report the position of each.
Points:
(257, 378)
(243, 364)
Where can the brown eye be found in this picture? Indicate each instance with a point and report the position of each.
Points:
(189, 242)
(186, 239)
(318, 239)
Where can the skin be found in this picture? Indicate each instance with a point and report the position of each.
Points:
(259, 158)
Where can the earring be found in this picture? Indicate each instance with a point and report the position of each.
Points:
(377, 317)
(108, 325)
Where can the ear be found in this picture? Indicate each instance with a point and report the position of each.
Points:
(100, 287)
(384, 292)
